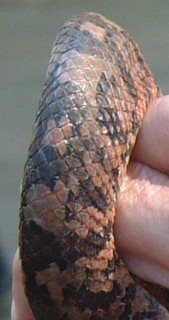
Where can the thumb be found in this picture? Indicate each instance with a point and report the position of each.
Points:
(152, 147)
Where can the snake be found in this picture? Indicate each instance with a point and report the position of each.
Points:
(97, 89)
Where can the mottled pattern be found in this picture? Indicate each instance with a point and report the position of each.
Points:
(97, 89)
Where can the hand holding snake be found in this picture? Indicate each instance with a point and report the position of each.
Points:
(97, 90)
(154, 128)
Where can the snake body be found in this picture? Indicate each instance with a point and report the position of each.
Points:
(96, 93)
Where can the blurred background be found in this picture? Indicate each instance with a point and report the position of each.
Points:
(27, 31)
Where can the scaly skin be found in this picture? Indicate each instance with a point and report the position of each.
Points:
(96, 93)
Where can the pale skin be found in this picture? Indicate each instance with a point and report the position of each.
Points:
(142, 220)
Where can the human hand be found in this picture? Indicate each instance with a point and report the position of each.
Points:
(142, 219)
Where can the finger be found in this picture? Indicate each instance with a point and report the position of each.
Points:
(20, 308)
(153, 272)
(152, 147)
(142, 222)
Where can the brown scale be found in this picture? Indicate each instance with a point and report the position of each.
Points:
(97, 89)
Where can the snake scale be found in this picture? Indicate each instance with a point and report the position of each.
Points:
(96, 92)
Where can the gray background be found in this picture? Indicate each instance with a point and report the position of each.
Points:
(27, 31)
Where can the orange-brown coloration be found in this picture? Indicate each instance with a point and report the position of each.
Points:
(97, 90)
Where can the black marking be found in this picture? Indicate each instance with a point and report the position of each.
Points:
(50, 153)
(135, 121)
(104, 85)
(69, 215)
(127, 78)
(93, 301)
(44, 248)
(32, 176)
(46, 175)
(109, 118)
(125, 73)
